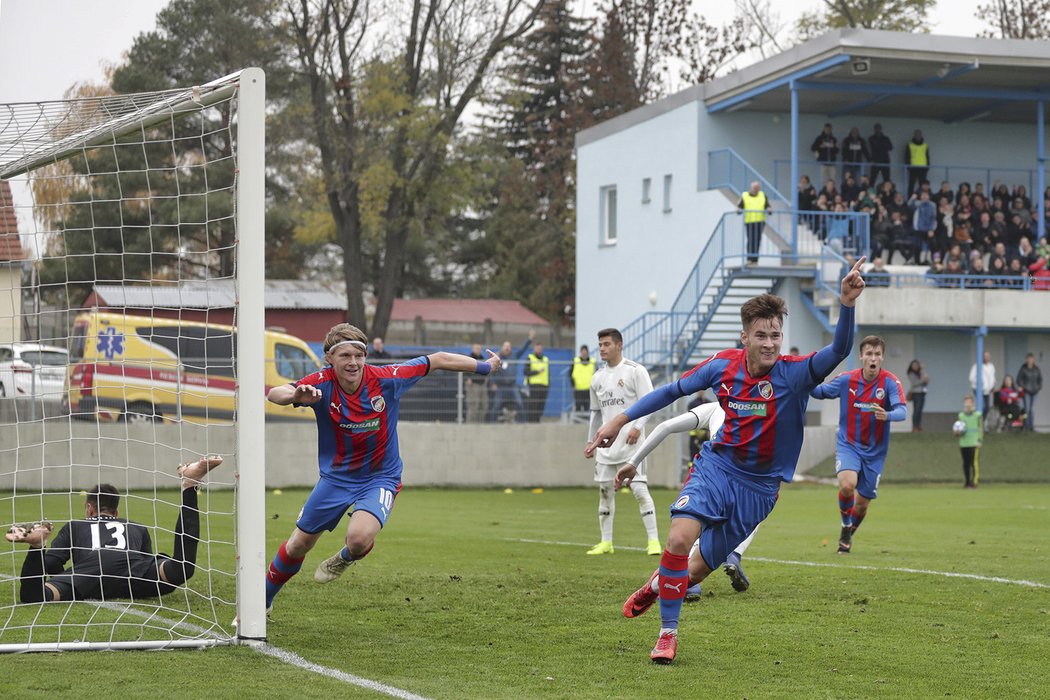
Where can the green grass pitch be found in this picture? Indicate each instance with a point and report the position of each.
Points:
(482, 594)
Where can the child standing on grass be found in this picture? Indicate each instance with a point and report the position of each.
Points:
(969, 442)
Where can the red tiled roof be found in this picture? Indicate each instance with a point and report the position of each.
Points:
(10, 243)
(465, 311)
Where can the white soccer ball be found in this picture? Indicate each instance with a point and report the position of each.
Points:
(958, 427)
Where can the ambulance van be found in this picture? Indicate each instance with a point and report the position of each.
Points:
(139, 369)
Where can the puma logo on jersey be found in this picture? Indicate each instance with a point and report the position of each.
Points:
(676, 587)
(396, 368)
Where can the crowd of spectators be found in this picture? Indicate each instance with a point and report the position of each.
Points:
(964, 236)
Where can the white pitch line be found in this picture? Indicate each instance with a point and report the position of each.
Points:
(906, 570)
(283, 655)
(294, 659)
(859, 567)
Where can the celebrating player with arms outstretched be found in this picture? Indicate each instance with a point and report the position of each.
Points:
(356, 406)
(871, 397)
(764, 396)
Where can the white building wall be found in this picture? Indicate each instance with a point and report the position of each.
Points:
(655, 249)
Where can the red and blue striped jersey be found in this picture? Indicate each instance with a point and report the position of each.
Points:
(858, 427)
(357, 433)
(761, 437)
(765, 416)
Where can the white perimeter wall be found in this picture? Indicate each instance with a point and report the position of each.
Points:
(435, 454)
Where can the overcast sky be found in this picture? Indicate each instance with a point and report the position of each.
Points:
(48, 45)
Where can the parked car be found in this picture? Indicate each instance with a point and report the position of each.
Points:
(32, 369)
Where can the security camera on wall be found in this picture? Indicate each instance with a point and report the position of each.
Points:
(860, 66)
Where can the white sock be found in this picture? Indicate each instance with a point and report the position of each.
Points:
(646, 507)
(742, 547)
(606, 509)
(669, 630)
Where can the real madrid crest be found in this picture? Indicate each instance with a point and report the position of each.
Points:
(620, 383)
(765, 389)
(378, 404)
(880, 393)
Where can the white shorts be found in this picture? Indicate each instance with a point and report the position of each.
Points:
(607, 472)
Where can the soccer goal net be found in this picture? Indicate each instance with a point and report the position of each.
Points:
(131, 342)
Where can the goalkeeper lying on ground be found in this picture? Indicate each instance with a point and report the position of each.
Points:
(112, 557)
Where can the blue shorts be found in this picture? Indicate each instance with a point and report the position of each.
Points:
(328, 501)
(869, 470)
(728, 507)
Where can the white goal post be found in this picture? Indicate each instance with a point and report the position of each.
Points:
(163, 191)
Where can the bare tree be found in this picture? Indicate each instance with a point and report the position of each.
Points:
(763, 27)
(892, 15)
(671, 42)
(1016, 19)
(389, 83)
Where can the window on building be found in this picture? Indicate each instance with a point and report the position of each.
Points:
(647, 185)
(667, 193)
(608, 215)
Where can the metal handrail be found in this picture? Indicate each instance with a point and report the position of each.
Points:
(971, 174)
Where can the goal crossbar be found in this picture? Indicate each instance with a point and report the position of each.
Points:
(172, 103)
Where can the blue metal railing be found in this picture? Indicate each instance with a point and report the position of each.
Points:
(955, 174)
(668, 338)
(725, 168)
(923, 277)
(819, 240)
(648, 338)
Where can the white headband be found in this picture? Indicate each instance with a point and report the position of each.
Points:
(355, 343)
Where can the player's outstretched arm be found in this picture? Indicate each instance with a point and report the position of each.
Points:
(852, 284)
(606, 434)
(827, 390)
(650, 403)
(454, 362)
(592, 427)
(286, 394)
(827, 358)
(625, 475)
(679, 424)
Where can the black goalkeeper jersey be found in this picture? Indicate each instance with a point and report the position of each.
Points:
(102, 546)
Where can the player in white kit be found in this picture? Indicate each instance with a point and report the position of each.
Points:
(616, 386)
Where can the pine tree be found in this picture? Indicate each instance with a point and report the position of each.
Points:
(534, 220)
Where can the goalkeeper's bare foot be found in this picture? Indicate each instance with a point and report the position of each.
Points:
(193, 473)
(33, 534)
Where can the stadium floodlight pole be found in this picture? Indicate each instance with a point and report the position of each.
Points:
(251, 369)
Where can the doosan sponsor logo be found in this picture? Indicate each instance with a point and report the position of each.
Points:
(364, 427)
